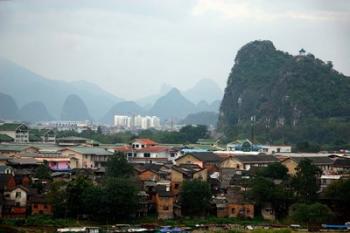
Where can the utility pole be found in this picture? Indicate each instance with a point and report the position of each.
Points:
(252, 124)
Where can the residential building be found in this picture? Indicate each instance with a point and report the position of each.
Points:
(322, 162)
(136, 122)
(18, 131)
(208, 160)
(246, 162)
(247, 146)
(48, 136)
(86, 157)
(182, 172)
(164, 202)
(40, 205)
(146, 151)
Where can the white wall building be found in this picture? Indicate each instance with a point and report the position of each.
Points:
(136, 122)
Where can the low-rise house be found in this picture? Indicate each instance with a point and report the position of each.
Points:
(208, 160)
(241, 145)
(182, 172)
(322, 162)
(40, 205)
(6, 170)
(246, 162)
(148, 172)
(233, 204)
(268, 212)
(48, 136)
(11, 150)
(272, 149)
(16, 200)
(55, 161)
(86, 157)
(7, 182)
(18, 131)
(231, 177)
(24, 163)
(75, 141)
(341, 165)
(147, 151)
(247, 146)
(164, 202)
(326, 180)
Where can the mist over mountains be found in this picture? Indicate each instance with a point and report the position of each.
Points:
(27, 96)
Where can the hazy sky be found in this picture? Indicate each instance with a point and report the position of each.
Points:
(132, 47)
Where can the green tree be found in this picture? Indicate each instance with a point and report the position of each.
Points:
(74, 191)
(43, 171)
(119, 198)
(192, 133)
(195, 197)
(92, 202)
(311, 214)
(305, 182)
(264, 190)
(57, 197)
(339, 195)
(275, 171)
(307, 147)
(118, 166)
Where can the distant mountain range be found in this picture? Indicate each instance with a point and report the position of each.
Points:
(25, 86)
(27, 96)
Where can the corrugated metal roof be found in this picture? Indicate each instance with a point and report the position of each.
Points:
(91, 150)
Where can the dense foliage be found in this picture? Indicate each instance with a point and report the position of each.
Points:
(115, 197)
(187, 134)
(339, 195)
(315, 213)
(195, 197)
(305, 182)
(271, 185)
(294, 98)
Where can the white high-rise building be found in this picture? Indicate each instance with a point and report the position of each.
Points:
(137, 122)
(122, 121)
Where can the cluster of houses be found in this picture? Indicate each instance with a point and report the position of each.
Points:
(160, 169)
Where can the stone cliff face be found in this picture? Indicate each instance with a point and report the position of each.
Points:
(281, 89)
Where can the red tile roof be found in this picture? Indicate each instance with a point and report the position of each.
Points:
(145, 141)
(151, 149)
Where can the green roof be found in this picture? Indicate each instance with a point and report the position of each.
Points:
(13, 147)
(206, 141)
(5, 138)
(9, 126)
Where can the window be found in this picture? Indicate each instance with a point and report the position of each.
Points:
(35, 206)
(176, 186)
(129, 154)
(237, 166)
(233, 210)
(18, 204)
(172, 155)
(146, 155)
(165, 207)
(278, 150)
(18, 194)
